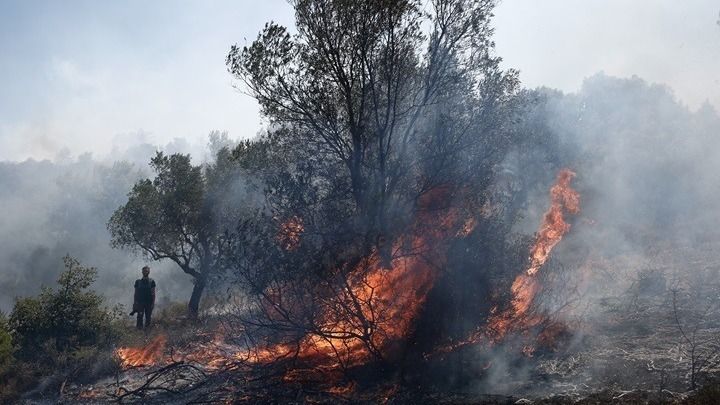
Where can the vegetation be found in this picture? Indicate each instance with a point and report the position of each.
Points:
(370, 112)
(64, 333)
(175, 216)
(7, 359)
(386, 115)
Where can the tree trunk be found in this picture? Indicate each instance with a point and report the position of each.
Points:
(194, 304)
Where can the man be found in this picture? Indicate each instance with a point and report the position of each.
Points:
(144, 299)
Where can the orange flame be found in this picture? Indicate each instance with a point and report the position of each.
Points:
(289, 234)
(384, 298)
(387, 298)
(145, 356)
(563, 199)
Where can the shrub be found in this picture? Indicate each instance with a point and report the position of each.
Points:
(6, 347)
(64, 331)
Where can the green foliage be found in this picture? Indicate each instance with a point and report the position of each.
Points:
(163, 213)
(6, 346)
(180, 215)
(374, 104)
(64, 319)
(65, 331)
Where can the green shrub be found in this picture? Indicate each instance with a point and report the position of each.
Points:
(68, 317)
(65, 331)
(6, 347)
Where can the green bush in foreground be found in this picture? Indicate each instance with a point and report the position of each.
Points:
(65, 332)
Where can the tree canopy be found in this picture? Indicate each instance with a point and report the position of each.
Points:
(385, 99)
(173, 216)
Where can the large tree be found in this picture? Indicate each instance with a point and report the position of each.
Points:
(381, 111)
(386, 99)
(176, 216)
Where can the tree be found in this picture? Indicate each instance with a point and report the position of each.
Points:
(382, 111)
(174, 216)
(378, 128)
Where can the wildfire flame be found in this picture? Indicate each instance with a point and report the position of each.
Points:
(563, 200)
(387, 295)
(289, 234)
(388, 298)
(145, 356)
(385, 298)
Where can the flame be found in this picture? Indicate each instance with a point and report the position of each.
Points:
(289, 234)
(563, 199)
(386, 298)
(145, 356)
(383, 295)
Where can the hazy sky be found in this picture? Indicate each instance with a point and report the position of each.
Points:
(90, 75)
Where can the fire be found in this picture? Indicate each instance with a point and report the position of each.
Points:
(145, 356)
(289, 234)
(383, 297)
(563, 200)
(386, 299)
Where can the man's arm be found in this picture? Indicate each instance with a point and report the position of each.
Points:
(152, 292)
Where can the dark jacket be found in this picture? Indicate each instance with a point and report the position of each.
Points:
(144, 293)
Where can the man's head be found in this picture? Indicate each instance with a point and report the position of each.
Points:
(146, 271)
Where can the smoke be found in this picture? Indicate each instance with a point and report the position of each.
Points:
(646, 172)
(56, 207)
(646, 164)
(648, 225)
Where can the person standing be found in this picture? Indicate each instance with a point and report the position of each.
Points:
(144, 299)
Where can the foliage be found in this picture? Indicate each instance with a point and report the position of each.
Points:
(370, 112)
(6, 347)
(64, 319)
(65, 330)
(176, 216)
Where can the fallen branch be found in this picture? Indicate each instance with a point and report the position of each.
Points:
(166, 379)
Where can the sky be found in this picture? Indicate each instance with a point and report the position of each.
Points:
(100, 76)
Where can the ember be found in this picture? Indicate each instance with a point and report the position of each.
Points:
(289, 234)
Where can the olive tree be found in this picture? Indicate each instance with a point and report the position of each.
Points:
(386, 99)
(175, 216)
